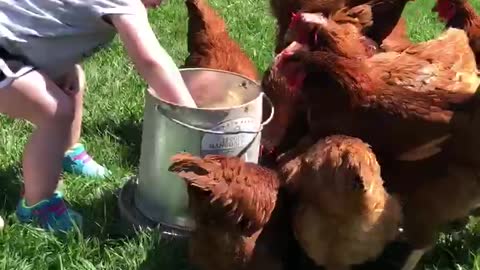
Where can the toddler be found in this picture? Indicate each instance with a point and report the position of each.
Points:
(41, 44)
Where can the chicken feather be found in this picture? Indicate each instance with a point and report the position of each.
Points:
(343, 215)
(386, 15)
(247, 190)
(209, 44)
(461, 14)
(401, 91)
(240, 220)
(431, 101)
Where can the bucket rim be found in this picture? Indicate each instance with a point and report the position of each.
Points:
(158, 107)
(260, 93)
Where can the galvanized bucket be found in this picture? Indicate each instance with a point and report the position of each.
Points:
(228, 121)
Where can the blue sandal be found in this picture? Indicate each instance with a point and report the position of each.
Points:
(78, 161)
(51, 214)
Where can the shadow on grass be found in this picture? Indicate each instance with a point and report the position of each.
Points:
(392, 258)
(102, 219)
(167, 255)
(127, 132)
(10, 187)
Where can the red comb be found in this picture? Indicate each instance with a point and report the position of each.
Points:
(296, 17)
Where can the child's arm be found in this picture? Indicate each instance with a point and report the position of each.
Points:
(150, 59)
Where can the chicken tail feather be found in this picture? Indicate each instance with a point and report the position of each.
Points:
(203, 16)
(203, 24)
(196, 171)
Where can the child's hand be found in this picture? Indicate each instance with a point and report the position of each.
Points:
(73, 81)
(178, 94)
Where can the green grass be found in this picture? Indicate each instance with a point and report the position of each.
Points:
(112, 131)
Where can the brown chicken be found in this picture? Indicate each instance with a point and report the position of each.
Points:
(417, 108)
(349, 25)
(289, 122)
(460, 14)
(346, 24)
(237, 216)
(283, 10)
(386, 14)
(209, 44)
(419, 89)
(343, 215)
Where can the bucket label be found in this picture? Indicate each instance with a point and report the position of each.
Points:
(231, 144)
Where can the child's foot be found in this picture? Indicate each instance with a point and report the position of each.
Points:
(78, 161)
(51, 214)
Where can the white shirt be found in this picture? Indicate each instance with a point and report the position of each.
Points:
(56, 34)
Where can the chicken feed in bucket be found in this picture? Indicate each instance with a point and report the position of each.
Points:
(227, 121)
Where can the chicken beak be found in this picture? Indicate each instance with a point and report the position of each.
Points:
(293, 72)
(289, 51)
(315, 18)
(295, 46)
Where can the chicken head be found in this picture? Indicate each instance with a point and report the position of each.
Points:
(446, 9)
(342, 32)
(282, 83)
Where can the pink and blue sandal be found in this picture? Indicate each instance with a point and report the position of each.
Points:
(78, 161)
(51, 214)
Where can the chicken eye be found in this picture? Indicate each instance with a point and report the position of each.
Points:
(316, 40)
(357, 183)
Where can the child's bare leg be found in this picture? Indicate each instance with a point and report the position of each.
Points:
(77, 160)
(78, 106)
(37, 99)
(74, 83)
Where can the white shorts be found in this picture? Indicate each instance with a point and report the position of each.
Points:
(11, 68)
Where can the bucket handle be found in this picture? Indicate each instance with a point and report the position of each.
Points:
(270, 117)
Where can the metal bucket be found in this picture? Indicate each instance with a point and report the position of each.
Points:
(228, 121)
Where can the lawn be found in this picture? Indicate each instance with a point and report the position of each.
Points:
(112, 132)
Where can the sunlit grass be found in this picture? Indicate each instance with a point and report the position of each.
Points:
(112, 131)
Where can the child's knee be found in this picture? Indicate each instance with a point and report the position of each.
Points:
(37, 100)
